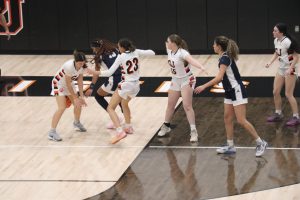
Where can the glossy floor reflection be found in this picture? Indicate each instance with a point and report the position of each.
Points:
(173, 168)
(161, 173)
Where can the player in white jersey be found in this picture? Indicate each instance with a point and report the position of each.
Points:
(63, 88)
(285, 52)
(182, 84)
(128, 88)
(235, 94)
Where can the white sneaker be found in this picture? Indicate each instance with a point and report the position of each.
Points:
(79, 127)
(163, 130)
(53, 135)
(194, 136)
(226, 149)
(260, 148)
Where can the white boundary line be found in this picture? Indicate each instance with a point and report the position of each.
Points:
(128, 147)
(66, 146)
(200, 147)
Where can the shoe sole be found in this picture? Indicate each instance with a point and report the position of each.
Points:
(53, 139)
(194, 140)
(292, 124)
(115, 140)
(227, 153)
(164, 134)
(78, 129)
(263, 152)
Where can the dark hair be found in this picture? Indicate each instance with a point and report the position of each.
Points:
(79, 56)
(104, 46)
(282, 27)
(126, 44)
(178, 41)
(229, 46)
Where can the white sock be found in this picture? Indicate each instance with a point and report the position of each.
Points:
(296, 115)
(53, 129)
(230, 143)
(119, 130)
(193, 127)
(278, 112)
(258, 140)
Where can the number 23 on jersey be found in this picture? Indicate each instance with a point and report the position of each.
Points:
(132, 66)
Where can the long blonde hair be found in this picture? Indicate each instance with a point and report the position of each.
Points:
(229, 46)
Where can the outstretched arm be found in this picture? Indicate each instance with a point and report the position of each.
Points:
(214, 81)
(148, 52)
(194, 62)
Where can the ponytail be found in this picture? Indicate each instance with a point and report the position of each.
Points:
(229, 46)
(232, 50)
(282, 27)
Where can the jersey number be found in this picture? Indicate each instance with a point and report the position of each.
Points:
(171, 63)
(132, 66)
(278, 52)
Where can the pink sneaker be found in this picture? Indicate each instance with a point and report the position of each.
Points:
(275, 117)
(128, 130)
(293, 121)
(118, 137)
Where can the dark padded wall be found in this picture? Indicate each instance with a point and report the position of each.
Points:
(59, 26)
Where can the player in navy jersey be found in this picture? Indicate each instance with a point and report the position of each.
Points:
(63, 87)
(285, 52)
(106, 53)
(128, 88)
(235, 94)
(182, 84)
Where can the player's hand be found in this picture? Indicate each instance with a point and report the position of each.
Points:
(92, 72)
(82, 102)
(199, 89)
(88, 92)
(77, 102)
(290, 71)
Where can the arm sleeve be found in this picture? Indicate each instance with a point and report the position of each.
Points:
(287, 43)
(184, 53)
(113, 68)
(145, 52)
(225, 60)
(67, 70)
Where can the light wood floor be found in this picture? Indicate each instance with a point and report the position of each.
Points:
(85, 164)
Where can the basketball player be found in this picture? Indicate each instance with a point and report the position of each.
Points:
(63, 88)
(235, 94)
(183, 83)
(106, 53)
(128, 88)
(285, 51)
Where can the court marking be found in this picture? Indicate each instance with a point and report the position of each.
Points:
(36, 180)
(22, 86)
(138, 146)
(216, 147)
(67, 146)
(163, 87)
